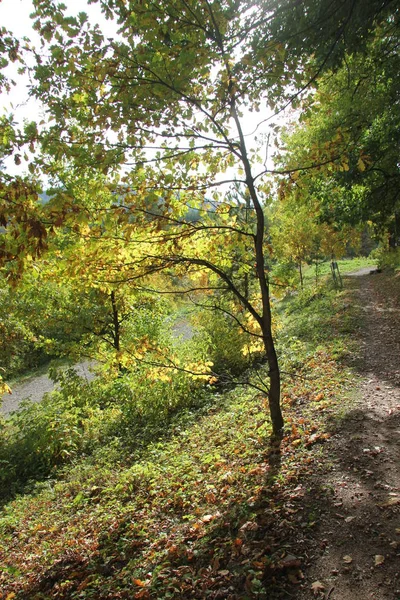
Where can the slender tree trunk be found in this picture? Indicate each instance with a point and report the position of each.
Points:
(274, 394)
(264, 320)
(301, 273)
(116, 332)
(246, 275)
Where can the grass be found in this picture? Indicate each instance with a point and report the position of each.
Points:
(192, 513)
(207, 510)
(346, 265)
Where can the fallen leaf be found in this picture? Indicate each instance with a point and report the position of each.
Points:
(249, 526)
(379, 560)
(216, 563)
(317, 587)
(207, 518)
(347, 559)
(142, 595)
(290, 561)
(390, 502)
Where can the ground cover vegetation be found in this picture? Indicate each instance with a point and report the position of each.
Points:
(121, 499)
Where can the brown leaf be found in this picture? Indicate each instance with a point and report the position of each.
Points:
(317, 587)
(379, 559)
(290, 562)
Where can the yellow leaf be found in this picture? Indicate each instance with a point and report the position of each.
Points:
(361, 164)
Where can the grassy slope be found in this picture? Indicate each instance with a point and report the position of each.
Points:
(345, 265)
(211, 511)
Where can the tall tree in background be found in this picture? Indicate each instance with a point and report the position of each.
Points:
(347, 140)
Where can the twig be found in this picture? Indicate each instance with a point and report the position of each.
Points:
(329, 593)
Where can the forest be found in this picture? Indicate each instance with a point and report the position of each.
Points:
(204, 213)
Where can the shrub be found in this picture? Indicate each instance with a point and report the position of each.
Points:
(224, 341)
(81, 417)
(387, 258)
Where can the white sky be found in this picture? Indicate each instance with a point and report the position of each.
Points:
(14, 15)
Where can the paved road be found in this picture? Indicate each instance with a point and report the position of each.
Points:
(35, 387)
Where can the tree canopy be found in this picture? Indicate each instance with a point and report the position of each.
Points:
(347, 140)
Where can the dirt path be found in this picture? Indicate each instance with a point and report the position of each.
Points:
(356, 554)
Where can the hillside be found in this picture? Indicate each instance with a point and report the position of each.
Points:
(212, 507)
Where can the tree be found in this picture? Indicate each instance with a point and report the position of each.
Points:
(346, 144)
(295, 236)
(158, 109)
(301, 236)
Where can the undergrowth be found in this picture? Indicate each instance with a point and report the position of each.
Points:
(193, 501)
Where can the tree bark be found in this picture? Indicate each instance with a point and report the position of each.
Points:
(116, 332)
(274, 394)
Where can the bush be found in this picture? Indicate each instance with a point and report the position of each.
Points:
(285, 278)
(41, 436)
(387, 258)
(224, 341)
(81, 417)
